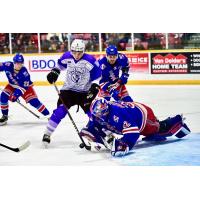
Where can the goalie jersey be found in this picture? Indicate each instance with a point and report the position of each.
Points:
(126, 119)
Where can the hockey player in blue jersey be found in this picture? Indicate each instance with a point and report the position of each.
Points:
(20, 85)
(80, 86)
(117, 126)
(112, 83)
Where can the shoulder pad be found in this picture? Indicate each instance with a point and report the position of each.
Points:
(7, 64)
(25, 73)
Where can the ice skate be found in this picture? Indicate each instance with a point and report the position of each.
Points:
(3, 120)
(46, 140)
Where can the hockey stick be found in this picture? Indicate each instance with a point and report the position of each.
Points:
(18, 149)
(83, 143)
(18, 101)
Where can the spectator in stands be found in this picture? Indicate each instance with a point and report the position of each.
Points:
(61, 48)
(45, 44)
(4, 43)
(153, 42)
(31, 47)
(138, 44)
(175, 40)
(6, 50)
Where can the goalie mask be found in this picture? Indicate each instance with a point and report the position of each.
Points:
(99, 109)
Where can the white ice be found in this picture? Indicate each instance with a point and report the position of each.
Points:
(64, 148)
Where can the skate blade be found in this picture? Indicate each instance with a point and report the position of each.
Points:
(3, 123)
(45, 145)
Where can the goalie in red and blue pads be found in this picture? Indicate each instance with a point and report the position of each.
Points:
(117, 126)
(20, 85)
(112, 83)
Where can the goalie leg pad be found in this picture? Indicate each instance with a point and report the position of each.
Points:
(183, 131)
(168, 123)
(155, 138)
(92, 139)
(174, 126)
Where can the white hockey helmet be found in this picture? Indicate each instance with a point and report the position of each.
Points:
(78, 45)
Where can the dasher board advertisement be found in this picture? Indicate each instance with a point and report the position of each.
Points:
(175, 63)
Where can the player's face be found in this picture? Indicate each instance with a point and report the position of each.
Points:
(77, 54)
(17, 66)
(112, 59)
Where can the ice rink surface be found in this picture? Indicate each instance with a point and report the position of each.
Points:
(64, 148)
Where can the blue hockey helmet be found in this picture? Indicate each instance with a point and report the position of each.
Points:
(111, 50)
(99, 108)
(18, 58)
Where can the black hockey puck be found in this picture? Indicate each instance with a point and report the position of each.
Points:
(81, 145)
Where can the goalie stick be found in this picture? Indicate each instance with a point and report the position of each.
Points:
(82, 145)
(17, 149)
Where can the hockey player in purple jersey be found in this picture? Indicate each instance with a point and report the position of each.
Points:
(117, 126)
(80, 86)
(20, 85)
(112, 83)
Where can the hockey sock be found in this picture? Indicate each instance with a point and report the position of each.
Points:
(58, 114)
(39, 106)
(4, 103)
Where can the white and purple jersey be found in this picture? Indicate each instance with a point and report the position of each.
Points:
(79, 73)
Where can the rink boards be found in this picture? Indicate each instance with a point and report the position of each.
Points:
(163, 67)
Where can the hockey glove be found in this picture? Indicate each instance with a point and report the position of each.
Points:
(114, 85)
(119, 148)
(53, 75)
(124, 78)
(16, 94)
(93, 91)
(115, 94)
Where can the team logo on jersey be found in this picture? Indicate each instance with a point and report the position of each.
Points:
(112, 75)
(25, 73)
(103, 66)
(8, 64)
(126, 124)
(64, 61)
(115, 118)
